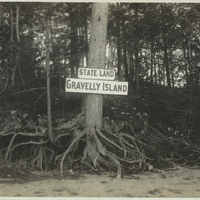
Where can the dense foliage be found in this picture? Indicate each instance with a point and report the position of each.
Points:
(153, 46)
(147, 42)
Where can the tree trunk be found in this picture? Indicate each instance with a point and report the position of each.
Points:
(18, 50)
(186, 67)
(137, 78)
(119, 52)
(125, 63)
(166, 63)
(97, 53)
(50, 134)
(119, 60)
(171, 69)
(152, 55)
(11, 25)
(165, 46)
(163, 72)
(132, 68)
(109, 58)
(155, 72)
(92, 114)
(11, 48)
(190, 68)
(159, 71)
(73, 43)
(125, 50)
(119, 45)
(17, 24)
(86, 34)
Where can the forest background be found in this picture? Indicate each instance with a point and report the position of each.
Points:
(153, 46)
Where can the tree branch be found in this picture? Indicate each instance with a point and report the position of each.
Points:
(29, 90)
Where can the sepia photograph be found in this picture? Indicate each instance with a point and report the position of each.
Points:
(99, 99)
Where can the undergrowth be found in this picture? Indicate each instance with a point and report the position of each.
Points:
(157, 127)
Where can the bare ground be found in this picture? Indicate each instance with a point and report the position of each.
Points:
(179, 182)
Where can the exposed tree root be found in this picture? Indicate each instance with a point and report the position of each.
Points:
(10, 144)
(40, 155)
(22, 134)
(60, 136)
(109, 154)
(123, 148)
(74, 123)
(70, 148)
(117, 145)
(36, 134)
(108, 140)
(40, 150)
(26, 143)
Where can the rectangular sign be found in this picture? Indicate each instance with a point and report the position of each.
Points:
(90, 73)
(96, 86)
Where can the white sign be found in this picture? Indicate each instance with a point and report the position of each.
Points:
(90, 73)
(96, 86)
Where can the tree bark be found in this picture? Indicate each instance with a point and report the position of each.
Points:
(171, 68)
(165, 46)
(11, 48)
(119, 46)
(155, 72)
(125, 63)
(18, 41)
(11, 24)
(17, 24)
(152, 56)
(166, 62)
(132, 67)
(86, 34)
(159, 70)
(186, 66)
(97, 53)
(50, 133)
(73, 43)
(137, 78)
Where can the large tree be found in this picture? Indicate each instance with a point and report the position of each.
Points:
(105, 143)
(92, 115)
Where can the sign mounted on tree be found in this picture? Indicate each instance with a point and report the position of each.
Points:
(92, 73)
(96, 86)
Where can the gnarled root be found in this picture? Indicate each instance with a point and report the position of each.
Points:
(74, 123)
(41, 157)
(110, 155)
(73, 144)
(116, 146)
